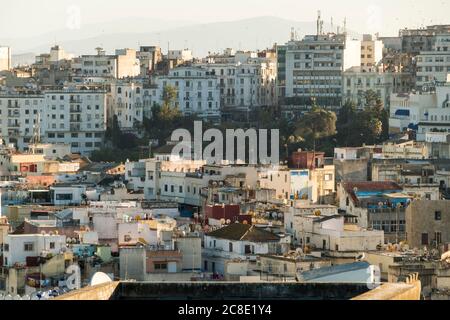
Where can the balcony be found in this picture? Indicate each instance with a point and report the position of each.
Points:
(13, 125)
(75, 120)
(75, 110)
(13, 106)
(75, 100)
(75, 127)
(14, 115)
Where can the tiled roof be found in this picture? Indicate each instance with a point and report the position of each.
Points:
(246, 232)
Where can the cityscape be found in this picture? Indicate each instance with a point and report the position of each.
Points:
(313, 168)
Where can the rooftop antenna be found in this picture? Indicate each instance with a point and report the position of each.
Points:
(332, 25)
(345, 25)
(318, 23)
(292, 34)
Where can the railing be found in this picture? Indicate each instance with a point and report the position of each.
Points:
(75, 110)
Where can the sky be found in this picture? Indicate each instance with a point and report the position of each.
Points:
(20, 18)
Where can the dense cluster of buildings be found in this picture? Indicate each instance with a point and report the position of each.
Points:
(310, 219)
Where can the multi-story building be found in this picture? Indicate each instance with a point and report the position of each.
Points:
(130, 103)
(149, 57)
(184, 55)
(371, 51)
(73, 116)
(427, 223)
(197, 91)
(421, 112)
(416, 40)
(5, 58)
(76, 117)
(314, 67)
(19, 116)
(246, 79)
(122, 64)
(433, 65)
(338, 235)
(357, 81)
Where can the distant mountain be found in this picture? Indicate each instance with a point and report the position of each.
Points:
(250, 34)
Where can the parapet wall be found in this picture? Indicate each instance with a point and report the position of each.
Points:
(99, 292)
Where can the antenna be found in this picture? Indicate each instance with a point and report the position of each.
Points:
(345, 25)
(318, 22)
(332, 25)
(292, 34)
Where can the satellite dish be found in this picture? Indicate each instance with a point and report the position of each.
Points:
(361, 257)
(99, 278)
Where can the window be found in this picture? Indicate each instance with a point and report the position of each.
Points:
(6, 247)
(52, 245)
(28, 246)
(64, 196)
(437, 215)
(230, 247)
(160, 266)
(424, 238)
(438, 237)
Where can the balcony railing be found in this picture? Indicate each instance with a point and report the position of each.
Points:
(75, 127)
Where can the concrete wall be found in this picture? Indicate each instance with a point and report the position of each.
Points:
(238, 290)
(351, 170)
(420, 219)
(99, 292)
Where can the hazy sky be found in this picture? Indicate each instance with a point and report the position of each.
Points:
(24, 17)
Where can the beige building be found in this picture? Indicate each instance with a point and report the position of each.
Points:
(405, 150)
(428, 223)
(5, 59)
(371, 51)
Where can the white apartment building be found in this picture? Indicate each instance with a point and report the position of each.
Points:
(19, 115)
(371, 51)
(359, 80)
(184, 55)
(421, 112)
(73, 116)
(336, 234)
(17, 247)
(129, 101)
(434, 66)
(312, 69)
(245, 80)
(197, 91)
(122, 64)
(5, 58)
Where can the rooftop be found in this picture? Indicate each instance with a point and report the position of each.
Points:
(244, 232)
